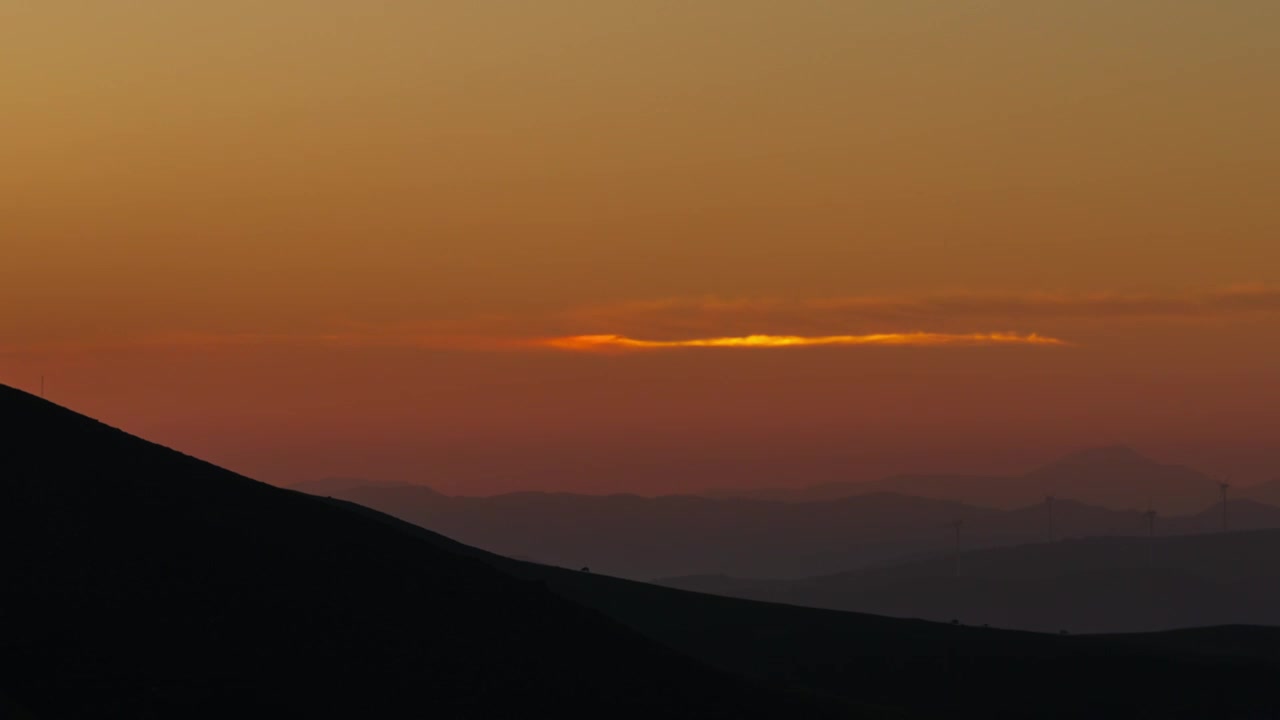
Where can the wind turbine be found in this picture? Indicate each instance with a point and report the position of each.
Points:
(1150, 515)
(1224, 486)
(957, 525)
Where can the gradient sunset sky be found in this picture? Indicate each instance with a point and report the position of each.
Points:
(470, 243)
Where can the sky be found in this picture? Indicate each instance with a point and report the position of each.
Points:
(470, 243)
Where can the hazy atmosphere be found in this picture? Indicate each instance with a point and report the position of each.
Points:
(702, 360)
(316, 238)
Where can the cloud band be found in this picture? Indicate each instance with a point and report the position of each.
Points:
(589, 343)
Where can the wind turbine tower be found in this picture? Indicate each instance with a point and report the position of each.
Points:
(1224, 486)
(1048, 505)
(1150, 515)
(957, 525)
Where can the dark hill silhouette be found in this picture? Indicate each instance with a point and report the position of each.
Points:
(1117, 478)
(969, 671)
(143, 583)
(139, 582)
(1090, 585)
(644, 538)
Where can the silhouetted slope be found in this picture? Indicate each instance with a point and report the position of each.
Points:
(933, 669)
(1093, 585)
(139, 582)
(142, 583)
(9, 710)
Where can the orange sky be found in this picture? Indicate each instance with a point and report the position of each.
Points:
(332, 237)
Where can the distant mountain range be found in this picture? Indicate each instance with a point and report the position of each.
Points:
(1116, 478)
(1090, 585)
(142, 583)
(644, 538)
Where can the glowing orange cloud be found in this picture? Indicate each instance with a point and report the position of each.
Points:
(922, 339)
(578, 343)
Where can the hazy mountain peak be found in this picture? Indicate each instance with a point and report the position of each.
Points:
(1109, 455)
(1119, 477)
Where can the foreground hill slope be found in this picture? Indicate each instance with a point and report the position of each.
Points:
(931, 669)
(139, 582)
(143, 583)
